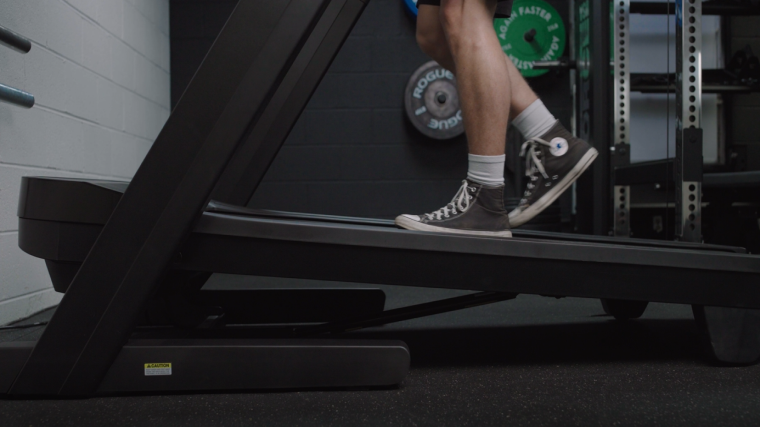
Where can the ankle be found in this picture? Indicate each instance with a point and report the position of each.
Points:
(534, 121)
(486, 170)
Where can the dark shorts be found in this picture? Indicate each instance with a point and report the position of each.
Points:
(503, 8)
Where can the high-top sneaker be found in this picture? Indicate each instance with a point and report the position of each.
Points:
(476, 209)
(553, 162)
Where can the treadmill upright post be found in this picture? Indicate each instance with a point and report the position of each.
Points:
(257, 152)
(167, 195)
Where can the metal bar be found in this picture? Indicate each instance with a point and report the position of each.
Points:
(621, 101)
(405, 313)
(706, 88)
(713, 81)
(593, 74)
(14, 41)
(600, 98)
(644, 173)
(16, 96)
(688, 158)
(559, 64)
(710, 8)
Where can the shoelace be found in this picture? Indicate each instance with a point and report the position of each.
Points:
(531, 150)
(460, 201)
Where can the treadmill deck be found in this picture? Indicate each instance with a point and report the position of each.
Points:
(237, 240)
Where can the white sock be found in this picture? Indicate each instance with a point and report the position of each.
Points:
(486, 170)
(535, 121)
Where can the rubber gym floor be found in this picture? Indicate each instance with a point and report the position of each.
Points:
(533, 361)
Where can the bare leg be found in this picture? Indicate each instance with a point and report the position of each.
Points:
(480, 68)
(492, 92)
(432, 40)
(522, 94)
(483, 80)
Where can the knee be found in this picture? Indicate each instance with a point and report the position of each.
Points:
(452, 19)
(463, 28)
(432, 43)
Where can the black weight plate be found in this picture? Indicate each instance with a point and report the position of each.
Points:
(432, 102)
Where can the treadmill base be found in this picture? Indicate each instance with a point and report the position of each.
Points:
(158, 366)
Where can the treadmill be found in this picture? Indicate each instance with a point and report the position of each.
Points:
(132, 257)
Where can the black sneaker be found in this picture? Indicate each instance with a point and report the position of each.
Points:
(553, 162)
(476, 209)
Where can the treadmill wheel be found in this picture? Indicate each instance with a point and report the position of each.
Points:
(624, 309)
(729, 335)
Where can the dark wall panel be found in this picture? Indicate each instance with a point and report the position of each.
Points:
(352, 151)
(744, 130)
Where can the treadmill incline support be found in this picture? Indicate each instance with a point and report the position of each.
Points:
(252, 57)
(405, 313)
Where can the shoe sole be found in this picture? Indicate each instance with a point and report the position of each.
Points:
(411, 224)
(549, 198)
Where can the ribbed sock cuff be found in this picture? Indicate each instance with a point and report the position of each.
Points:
(486, 170)
(534, 121)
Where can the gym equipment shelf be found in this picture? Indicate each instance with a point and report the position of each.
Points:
(114, 247)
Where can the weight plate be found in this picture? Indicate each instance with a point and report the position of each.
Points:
(534, 32)
(432, 102)
(411, 7)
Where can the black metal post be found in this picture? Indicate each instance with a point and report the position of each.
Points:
(14, 41)
(16, 97)
(594, 189)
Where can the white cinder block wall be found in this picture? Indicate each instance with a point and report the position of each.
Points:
(99, 70)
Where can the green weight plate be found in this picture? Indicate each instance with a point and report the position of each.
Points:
(432, 102)
(583, 41)
(534, 32)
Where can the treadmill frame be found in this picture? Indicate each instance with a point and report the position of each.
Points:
(270, 56)
(219, 141)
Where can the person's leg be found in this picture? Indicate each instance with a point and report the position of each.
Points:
(556, 158)
(528, 113)
(484, 169)
(482, 73)
(432, 41)
(431, 38)
(483, 82)
(522, 95)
